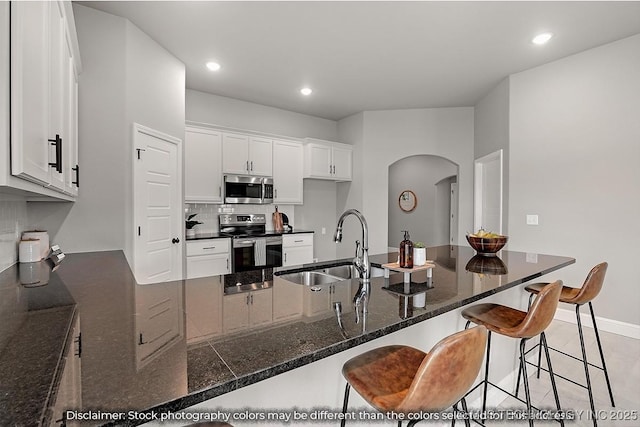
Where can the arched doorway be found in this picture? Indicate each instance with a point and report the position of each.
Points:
(433, 181)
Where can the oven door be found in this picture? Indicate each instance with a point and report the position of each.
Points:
(255, 253)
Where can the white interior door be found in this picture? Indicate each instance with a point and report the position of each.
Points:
(157, 206)
(488, 193)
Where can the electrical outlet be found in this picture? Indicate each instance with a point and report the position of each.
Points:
(532, 219)
(531, 258)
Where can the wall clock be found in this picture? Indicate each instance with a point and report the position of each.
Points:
(407, 200)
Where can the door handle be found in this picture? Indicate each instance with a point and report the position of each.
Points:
(57, 142)
(175, 240)
(247, 165)
(251, 165)
(77, 181)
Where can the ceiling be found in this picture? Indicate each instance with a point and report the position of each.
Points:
(362, 55)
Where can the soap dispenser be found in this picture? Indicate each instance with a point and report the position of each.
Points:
(406, 251)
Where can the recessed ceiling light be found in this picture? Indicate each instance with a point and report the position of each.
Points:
(306, 91)
(542, 38)
(213, 66)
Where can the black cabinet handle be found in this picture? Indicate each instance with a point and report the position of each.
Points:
(77, 181)
(175, 240)
(58, 144)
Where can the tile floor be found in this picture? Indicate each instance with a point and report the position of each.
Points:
(622, 355)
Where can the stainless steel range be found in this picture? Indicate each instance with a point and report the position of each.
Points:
(252, 246)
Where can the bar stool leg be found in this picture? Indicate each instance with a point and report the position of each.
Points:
(604, 366)
(467, 422)
(523, 367)
(486, 374)
(539, 349)
(586, 365)
(345, 404)
(543, 341)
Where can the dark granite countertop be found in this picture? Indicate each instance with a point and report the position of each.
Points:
(196, 360)
(215, 235)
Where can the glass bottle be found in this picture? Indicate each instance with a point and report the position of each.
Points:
(406, 251)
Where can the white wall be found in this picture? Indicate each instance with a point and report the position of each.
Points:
(491, 133)
(420, 174)
(126, 78)
(222, 111)
(574, 155)
(394, 134)
(13, 221)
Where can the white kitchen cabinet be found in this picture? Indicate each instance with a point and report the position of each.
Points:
(287, 299)
(44, 68)
(248, 309)
(288, 159)
(211, 257)
(297, 249)
(327, 160)
(202, 165)
(203, 305)
(246, 155)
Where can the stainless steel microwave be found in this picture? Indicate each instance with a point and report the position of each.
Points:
(248, 189)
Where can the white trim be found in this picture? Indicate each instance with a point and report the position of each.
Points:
(607, 325)
(477, 188)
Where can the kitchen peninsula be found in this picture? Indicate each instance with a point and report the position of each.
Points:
(131, 362)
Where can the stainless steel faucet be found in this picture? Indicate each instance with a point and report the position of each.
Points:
(360, 262)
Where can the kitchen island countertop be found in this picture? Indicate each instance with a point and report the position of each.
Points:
(121, 372)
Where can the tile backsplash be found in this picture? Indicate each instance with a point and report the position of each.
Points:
(13, 217)
(208, 214)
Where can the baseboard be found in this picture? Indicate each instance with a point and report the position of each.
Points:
(608, 325)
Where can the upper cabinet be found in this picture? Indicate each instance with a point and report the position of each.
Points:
(246, 155)
(287, 172)
(327, 160)
(202, 165)
(44, 64)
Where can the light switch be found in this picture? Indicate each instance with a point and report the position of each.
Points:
(532, 219)
(324, 230)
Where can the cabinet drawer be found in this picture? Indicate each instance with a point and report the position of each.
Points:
(297, 240)
(208, 247)
(207, 265)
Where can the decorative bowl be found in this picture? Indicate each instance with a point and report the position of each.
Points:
(486, 265)
(487, 246)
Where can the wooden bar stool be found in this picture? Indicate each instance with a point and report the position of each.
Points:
(514, 323)
(406, 380)
(578, 297)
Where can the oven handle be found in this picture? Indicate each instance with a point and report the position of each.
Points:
(243, 243)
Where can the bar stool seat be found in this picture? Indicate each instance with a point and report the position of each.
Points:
(514, 323)
(406, 380)
(578, 297)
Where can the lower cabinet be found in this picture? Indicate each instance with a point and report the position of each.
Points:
(247, 309)
(297, 249)
(203, 304)
(320, 299)
(208, 258)
(287, 299)
(69, 394)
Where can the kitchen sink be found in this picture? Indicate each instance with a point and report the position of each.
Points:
(311, 278)
(341, 271)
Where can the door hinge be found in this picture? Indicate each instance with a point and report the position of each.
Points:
(139, 231)
(139, 150)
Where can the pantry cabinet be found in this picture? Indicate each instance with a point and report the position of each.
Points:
(202, 165)
(44, 68)
(246, 155)
(327, 160)
(287, 172)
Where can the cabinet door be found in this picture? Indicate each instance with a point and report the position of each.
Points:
(297, 255)
(30, 22)
(287, 299)
(260, 156)
(57, 77)
(235, 153)
(261, 310)
(203, 305)
(235, 312)
(207, 265)
(342, 163)
(287, 172)
(70, 167)
(318, 161)
(202, 166)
